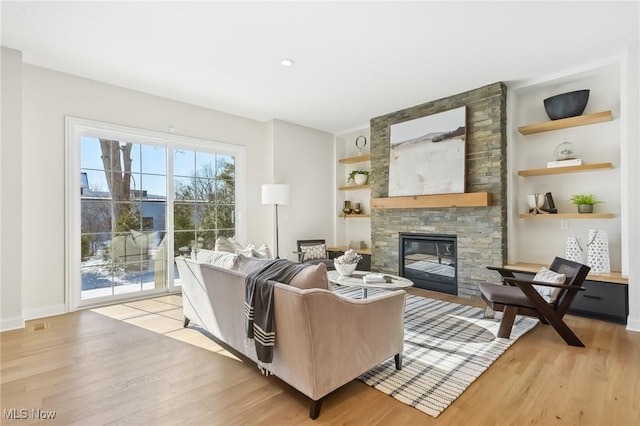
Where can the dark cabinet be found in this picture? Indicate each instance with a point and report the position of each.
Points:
(602, 300)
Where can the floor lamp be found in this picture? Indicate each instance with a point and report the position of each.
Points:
(275, 193)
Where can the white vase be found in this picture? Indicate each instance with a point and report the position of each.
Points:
(598, 250)
(574, 251)
(345, 269)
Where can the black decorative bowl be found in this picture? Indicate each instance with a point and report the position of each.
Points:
(566, 105)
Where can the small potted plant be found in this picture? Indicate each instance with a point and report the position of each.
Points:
(347, 263)
(359, 177)
(585, 202)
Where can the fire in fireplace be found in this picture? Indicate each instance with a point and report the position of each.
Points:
(430, 261)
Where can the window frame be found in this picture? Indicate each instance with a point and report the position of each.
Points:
(75, 129)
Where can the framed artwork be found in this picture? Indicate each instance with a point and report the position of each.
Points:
(428, 154)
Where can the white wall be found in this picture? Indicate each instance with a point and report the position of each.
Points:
(303, 158)
(11, 191)
(47, 97)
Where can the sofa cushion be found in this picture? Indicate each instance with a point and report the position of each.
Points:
(312, 276)
(221, 259)
(314, 252)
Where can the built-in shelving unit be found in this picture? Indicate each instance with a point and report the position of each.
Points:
(568, 216)
(561, 170)
(565, 123)
(469, 199)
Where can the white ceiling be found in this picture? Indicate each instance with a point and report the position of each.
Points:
(353, 60)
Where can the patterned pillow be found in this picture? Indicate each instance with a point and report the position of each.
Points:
(548, 276)
(314, 252)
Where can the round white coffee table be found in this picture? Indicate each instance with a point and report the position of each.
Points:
(356, 280)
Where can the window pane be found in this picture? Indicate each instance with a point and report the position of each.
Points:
(127, 217)
(153, 186)
(154, 159)
(225, 167)
(96, 281)
(127, 277)
(183, 188)
(90, 154)
(184, 162)
(96, 216)
(96, 184)
(206, 216)
(225, 217)
(205, 164)
(183, 242)
(94, 249)
(207, 239)
(205, 189)
(134, 155)
(225, 191)
(154, 215)
(183, 216)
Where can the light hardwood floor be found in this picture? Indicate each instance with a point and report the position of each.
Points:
(135, 364)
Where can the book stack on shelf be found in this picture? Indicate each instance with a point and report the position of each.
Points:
(564, 163)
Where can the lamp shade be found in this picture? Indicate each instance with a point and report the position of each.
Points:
(275, 193)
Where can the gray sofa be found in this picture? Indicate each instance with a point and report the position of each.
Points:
(323, 340)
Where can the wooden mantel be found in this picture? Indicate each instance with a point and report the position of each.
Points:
(469, 199)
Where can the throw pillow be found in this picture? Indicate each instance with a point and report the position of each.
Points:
(235, 243)
(314, 252)
(548, 276)
(312, 276)
(223, 244)
(262, 252)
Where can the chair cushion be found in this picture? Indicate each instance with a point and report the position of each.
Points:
(548, 276)
(314, 252)
(505, 295)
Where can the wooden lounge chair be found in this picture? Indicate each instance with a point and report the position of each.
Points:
(519, 296)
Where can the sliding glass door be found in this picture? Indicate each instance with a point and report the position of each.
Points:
(143, 199)
(123, 217)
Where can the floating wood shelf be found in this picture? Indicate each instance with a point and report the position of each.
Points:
(565, 123)
(470, 199)
(568, 216)
(569, 169)
(355, 216)
(358, 159)
(609, 277)
(354, 187)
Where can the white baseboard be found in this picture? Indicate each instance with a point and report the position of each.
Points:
(633, 324)
(12, 323)
(44, 311)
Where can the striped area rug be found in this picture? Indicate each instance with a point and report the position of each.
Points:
(446, 347)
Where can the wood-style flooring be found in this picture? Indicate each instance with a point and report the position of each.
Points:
(135, 364)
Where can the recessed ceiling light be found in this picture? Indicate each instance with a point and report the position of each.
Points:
(287, 62)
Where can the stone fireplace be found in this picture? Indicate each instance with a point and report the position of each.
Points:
(481, 237)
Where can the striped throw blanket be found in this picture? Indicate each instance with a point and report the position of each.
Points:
(258, 305)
